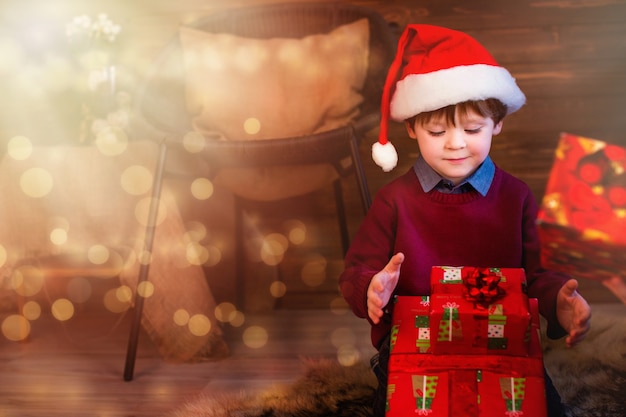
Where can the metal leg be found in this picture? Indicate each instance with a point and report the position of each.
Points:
(341, 216)
(144, 267)
(360, 173)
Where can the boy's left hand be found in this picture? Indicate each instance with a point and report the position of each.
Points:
(573, 312)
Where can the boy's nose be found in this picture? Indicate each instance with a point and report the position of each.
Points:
(455, 140)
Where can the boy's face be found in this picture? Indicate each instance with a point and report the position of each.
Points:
(455, 152)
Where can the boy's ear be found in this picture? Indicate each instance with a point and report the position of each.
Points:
(410, 128)
(498, 128)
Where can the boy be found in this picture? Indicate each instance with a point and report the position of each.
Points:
(454, 207)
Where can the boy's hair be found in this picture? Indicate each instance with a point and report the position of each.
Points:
(491, 107)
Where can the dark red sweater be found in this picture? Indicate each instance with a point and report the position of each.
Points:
(439, 229)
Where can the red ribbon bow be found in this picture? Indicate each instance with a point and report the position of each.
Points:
(482, 286)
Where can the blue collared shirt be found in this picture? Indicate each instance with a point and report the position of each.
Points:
(480, 180)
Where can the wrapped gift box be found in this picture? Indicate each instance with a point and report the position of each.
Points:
(479, 311)
(410, 331)
(469, 385)
(582, 217)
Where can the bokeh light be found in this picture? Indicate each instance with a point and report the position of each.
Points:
(31, 310)
(196, 231)
(111, 141)
(255, 337)
(19, 148)
(348, 355)
(252, 126)
(136, 180)
(58, 236)
(118, 300)
(196, 254)
(62, 309)
(3, 255)
(199, 325)
(36, 182)
(313, 272)
(225, 312)
(193, 142)
(27, 280)
(296, 231)
(181, 317)
(15, 327)
(145, 289)
(98, 254)
(202, 188)
(278, 289)
(273, 248)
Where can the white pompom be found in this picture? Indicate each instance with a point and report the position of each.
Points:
(385, 156)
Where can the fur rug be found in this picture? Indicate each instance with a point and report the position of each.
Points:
(590, 377)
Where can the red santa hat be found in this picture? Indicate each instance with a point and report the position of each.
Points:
(439, 67)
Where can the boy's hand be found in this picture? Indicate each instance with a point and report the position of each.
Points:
(573, 312)
(382, 286)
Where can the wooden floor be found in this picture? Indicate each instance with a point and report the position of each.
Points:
(75, 368)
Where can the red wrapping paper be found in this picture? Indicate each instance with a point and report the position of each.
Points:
(410, 331)
(469, 385)
(461, 324)
(582, 217)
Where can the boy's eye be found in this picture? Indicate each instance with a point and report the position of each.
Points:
(473, 131)
(436, 132)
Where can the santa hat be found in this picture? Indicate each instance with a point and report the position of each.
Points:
(440, 67)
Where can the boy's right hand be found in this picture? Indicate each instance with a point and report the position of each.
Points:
(381, 287)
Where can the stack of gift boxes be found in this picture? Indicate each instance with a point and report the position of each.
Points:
(582, 218)
(469, 349)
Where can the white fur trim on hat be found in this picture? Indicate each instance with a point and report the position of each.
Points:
(385, 156)
(418, 93)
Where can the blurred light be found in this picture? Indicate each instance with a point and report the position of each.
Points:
(255, 337)
(252, 126)
(118, 300)
(181, 317)
(193, 142)
(215, 255)
(19, 148)
(31, 310)
(3, 255)
(348, 355)
(36, 182)
(62, 309)
(296, 231)
(225, 312)
(342, 336)
(199, 325)
(278, 289)
(111, 141)
(58, 236)
(27, 280)
(238, 319)
(98, 254)
(196, 254)
(196, 231)
(314, 271)
(273, 248)
(136, 180)
(202, 188)
(145, 289)
(15, 327)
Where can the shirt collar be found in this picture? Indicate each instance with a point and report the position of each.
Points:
(480, 180)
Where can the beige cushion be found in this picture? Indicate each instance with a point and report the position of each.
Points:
(249, 89)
